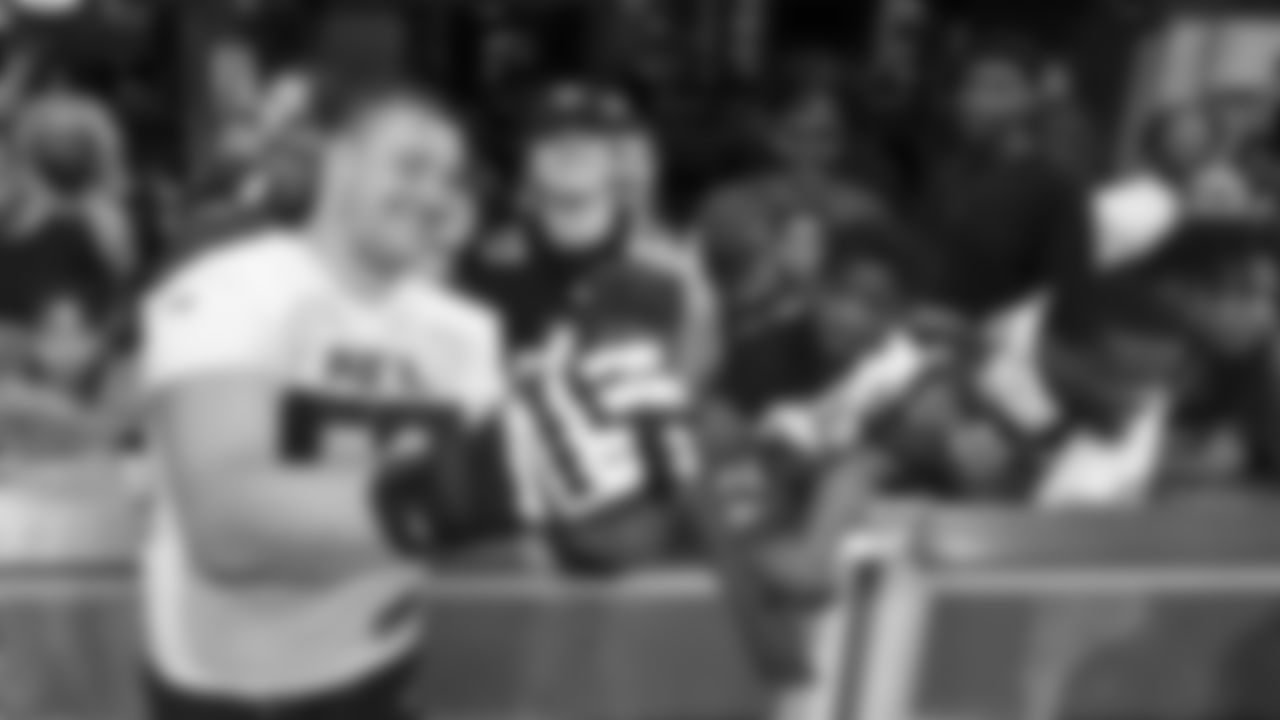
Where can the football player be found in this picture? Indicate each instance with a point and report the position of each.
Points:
(282, 369)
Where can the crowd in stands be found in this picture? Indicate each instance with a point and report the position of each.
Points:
(90, 157)
(888, 288)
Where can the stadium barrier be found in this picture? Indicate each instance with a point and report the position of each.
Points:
(68, 539)
(502, 646)
(1171, 613)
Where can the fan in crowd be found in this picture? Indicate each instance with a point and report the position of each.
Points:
(575, 214)
(72, 255)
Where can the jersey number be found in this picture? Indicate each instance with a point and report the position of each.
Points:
(317, 428)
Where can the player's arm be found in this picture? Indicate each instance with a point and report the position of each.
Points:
(439, 484)
(248, 512)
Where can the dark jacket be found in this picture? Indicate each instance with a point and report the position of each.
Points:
(1001, 228)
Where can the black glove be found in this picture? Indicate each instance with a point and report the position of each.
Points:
(452, 493)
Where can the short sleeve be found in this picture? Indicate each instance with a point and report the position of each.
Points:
(211, 323)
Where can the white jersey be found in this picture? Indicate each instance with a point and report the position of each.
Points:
(270, 306)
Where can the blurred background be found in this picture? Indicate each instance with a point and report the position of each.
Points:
(978, 156)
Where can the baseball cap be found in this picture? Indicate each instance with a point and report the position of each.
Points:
(578, 108)
(1132, 218)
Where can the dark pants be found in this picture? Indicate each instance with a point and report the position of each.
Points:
(392, 693)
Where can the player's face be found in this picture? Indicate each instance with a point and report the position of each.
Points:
(410, 191)
(574, 190)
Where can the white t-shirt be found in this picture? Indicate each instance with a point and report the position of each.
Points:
(1131, 218)
(837, 418)
(270, 306)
